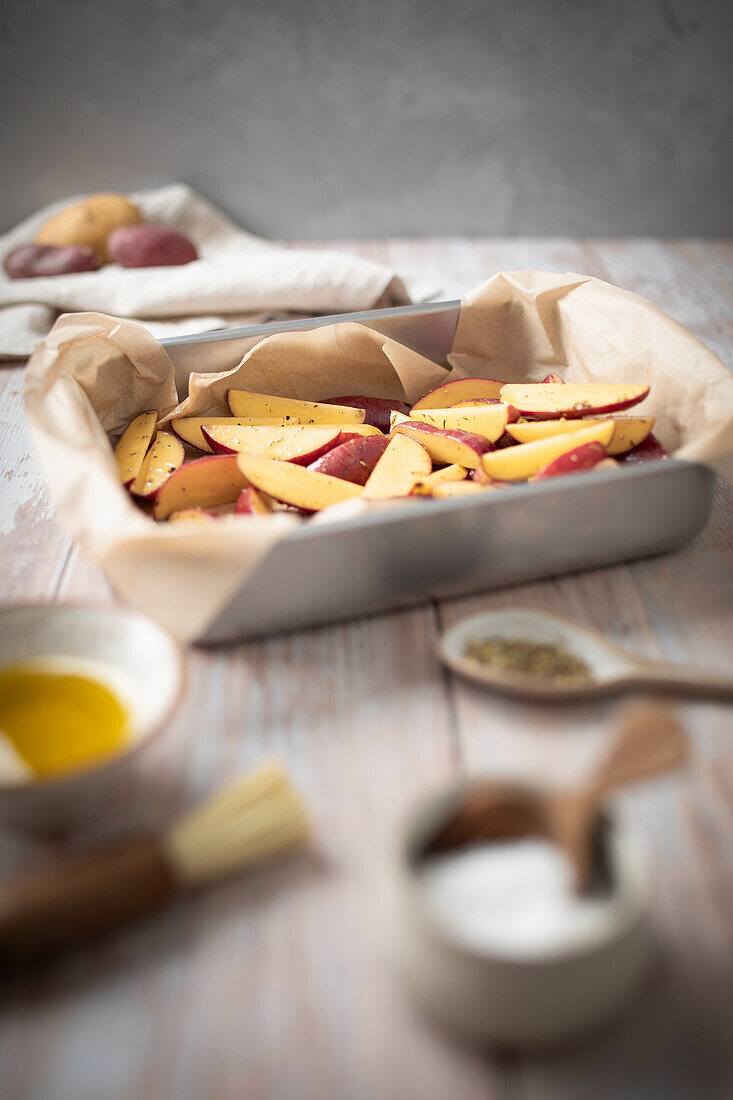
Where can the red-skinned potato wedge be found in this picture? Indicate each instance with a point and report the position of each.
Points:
(450, 490)
(460, 389)
(511, 413)
(295, 485)
(133, 444)
(252, 503)
(246, 403)
(447, 445)
(527, 459)
(193, 515)
(376, 409)
(488, 421)
(353, 431)
(396, 418)
(554, 378)
(584, 457)
(548, 401)
(649, 450)
(404, 462)
(353, 460)
(629, 431)
(188, 428)
(298, 443)
(165, 455)
(452, 473)
(203, 483)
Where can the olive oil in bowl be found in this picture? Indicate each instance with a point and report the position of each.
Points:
(58, 715)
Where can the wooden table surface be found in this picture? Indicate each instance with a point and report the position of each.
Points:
(273, 987)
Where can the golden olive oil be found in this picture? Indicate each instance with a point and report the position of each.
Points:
(57, 718)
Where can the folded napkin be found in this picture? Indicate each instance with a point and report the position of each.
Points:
(239, 279)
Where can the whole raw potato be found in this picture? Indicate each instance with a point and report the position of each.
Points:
(150, 246)
(90, 222)
(33, 260)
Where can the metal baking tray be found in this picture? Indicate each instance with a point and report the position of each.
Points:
(430, 549)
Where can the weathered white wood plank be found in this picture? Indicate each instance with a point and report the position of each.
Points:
(34, 550)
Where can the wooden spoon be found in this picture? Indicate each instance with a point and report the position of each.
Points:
(650, 740)
(611, 669)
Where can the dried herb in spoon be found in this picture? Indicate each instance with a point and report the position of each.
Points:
(520, 657)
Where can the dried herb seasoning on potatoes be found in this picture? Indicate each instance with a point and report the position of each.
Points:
(467, 437)
(103, 228)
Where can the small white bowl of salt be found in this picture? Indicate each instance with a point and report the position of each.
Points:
(492, 938)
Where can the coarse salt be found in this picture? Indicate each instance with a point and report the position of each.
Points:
(515, 898)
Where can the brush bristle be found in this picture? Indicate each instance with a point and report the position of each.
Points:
(255, 818)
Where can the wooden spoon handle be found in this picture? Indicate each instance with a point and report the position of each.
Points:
(651, 739)
(685, 680)
(80, 897)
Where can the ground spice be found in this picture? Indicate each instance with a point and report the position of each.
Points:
(515, 655)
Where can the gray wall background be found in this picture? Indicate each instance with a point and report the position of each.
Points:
(329, 119)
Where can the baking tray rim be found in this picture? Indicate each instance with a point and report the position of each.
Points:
(403, 508)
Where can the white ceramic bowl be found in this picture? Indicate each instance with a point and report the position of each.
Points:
(512, 1001)
(135, 656)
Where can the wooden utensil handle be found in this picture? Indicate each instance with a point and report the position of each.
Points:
(80, 897)
(651, 739)
(703, 683)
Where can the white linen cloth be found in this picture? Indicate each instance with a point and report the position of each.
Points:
(238, 279)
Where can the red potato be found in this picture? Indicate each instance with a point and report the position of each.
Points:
(163, 458)
(295, 485)
(424, 487)
(459, 389)
(649, 450)
(548, 401)
(354, 460)
(628, 431)
(584, 457)
(247, 403)
(377, 409)
(203, 483)
(447, 446)
(132, 446)
(295, 443)
(527, 459)
(193, 515)
(450, 490)
(150, 246)
(512, 414)
(252, 503)
(487, 420)
(354, 431)
(404, 463)
(33, 261)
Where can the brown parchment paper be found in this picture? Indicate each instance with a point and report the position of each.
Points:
(93, 373)
(520, 325)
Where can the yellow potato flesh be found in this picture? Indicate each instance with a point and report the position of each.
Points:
(404, 463)
(203, 483)
(295, 485)
(488, 421)
(526, 459)
(629, 431)
(461, 389)
(133, 444)
(245, 403)
(165, 456)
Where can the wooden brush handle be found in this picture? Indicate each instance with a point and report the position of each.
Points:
(81, 896)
